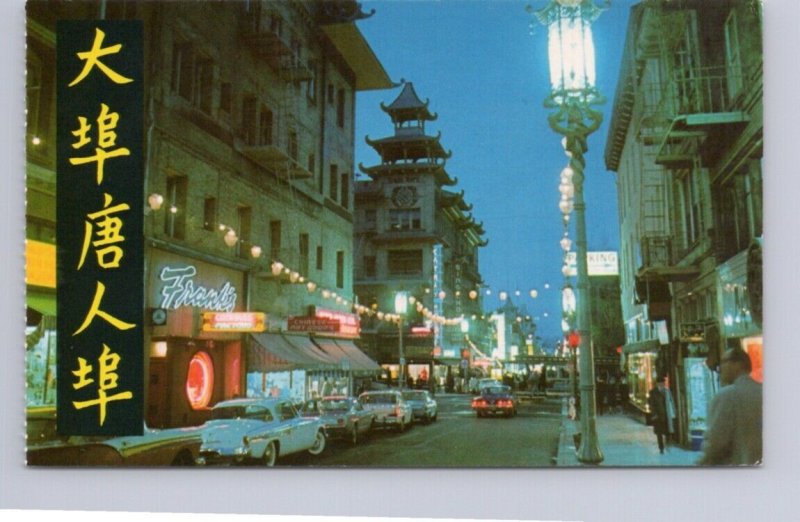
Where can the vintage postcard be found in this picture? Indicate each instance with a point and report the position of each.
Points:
(384, 234)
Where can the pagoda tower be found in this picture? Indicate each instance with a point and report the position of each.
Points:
(412, 234)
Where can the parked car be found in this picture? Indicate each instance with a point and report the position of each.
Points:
(478, 384)
(344, 417)
(389, 407)
(258, 429)
(155, 447)
(493, 399)
(423, 405)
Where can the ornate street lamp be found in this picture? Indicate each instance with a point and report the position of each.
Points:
(573, 93)
(400, 305)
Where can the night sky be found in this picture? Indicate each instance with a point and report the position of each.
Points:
(484, 66)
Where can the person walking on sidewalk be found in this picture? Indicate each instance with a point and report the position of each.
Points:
(662, 412)
(734, 433)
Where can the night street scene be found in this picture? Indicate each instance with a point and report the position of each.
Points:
(383, 234)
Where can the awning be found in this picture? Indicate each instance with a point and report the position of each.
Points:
(271, 352)
(343, 350)
(651, 345)
(305, 345)
(45, 304)
(358, 359)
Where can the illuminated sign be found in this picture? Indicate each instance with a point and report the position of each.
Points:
(349, 324)
(40, 264)
(233, 322)
(421, 331)
(180, 291)
(600, 264)
(313, 324)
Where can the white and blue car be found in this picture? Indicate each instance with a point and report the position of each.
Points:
(258, 430)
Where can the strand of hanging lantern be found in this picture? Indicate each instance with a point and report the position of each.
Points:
(566, 205)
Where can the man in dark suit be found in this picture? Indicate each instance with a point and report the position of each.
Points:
(662, 412)
(734, 433)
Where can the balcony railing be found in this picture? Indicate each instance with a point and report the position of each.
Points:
(657, 251)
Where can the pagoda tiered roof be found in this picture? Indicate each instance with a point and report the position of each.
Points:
(422, 167)
(407, 106)
(409, 147)
(453, 199)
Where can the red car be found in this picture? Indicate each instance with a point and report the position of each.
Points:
(495, 399)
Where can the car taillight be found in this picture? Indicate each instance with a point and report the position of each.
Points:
(478, 402)
(398, 411)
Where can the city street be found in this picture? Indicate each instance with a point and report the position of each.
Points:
(457, 439)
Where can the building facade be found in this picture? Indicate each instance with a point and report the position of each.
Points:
(686, 141)
(249, 167)
(414, 234)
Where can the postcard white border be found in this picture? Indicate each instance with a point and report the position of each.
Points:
(620, 495)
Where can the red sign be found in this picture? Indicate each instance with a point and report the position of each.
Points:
(233, 322)
(349, 324)
(421, 331)
(312, 324)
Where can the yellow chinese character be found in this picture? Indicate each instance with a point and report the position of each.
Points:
(92, 58)
(95, 311)
(82, 374)
(108, 233)
(106, 122)
(108, 362)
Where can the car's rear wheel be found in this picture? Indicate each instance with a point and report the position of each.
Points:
(319, 444)
(354, 434)
(270, 455)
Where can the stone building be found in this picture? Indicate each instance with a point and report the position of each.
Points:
(414, 233)
(686, 139)
(249, 152)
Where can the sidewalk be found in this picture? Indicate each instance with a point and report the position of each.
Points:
(624, 441)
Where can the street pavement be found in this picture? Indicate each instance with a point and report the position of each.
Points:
(624, 441)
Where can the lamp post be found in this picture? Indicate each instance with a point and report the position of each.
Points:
(400, 305)
(573, 92)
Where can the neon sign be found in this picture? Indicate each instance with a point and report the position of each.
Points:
(180, 290)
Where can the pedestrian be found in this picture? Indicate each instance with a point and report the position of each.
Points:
(543, 382)
(662, 412)
(733, 436)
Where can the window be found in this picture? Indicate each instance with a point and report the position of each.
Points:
(405, 219)
(319, 258)
(340, 108)
(312, 163)
(733, 56)
(265, 125)
(182, 73)
(311, 85)
(303, 268)
(175, 224)
(340, 269)
(370, 219)
(345, 191)
(370, 266)
(204, 74)
(405, 262)
(333, 189)
(210, 214)
(275, 239)
(691, 207)
(293, 145)
(225, 96)
(244, 215)
(249, 123)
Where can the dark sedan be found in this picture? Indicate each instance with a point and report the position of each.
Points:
(496, 399)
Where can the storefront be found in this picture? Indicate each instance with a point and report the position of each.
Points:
(40, 328)
(640, 363)
(191, 367)
(739, 328)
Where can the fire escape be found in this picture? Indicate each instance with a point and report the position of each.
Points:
(685, 109)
